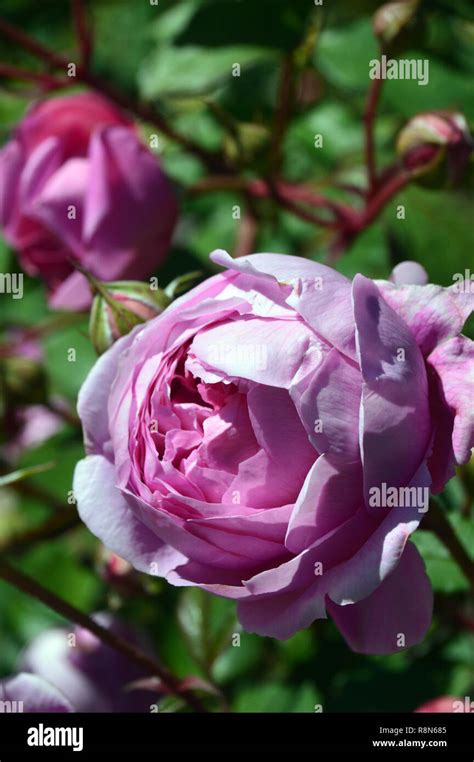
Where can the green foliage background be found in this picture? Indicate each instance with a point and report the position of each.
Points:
(179, 56)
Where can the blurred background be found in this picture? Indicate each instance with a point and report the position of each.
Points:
(179, 57)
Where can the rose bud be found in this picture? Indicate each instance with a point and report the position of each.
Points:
(436, 144)
(395, 24)
(77, 182)
(118, 307)
(118, 573)
(260, 438)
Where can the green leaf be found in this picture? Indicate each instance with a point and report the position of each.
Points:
(275, 697)
(343, 54)
(236, 22)
(368, 255)
(442, 569)
(420, 239)
(122, 31)
(192, 70)
(240, 657)
(206, 623)
(447, 88)
(65, 452)
(69, 358)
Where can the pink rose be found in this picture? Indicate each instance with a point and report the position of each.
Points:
(58, 674)
(246, 439)
(77, 183)
(31, 694)
(91, 675)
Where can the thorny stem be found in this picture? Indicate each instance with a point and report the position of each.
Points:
(27, 585)
(346, 222)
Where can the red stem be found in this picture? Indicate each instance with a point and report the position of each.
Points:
(285, 193)
(383, 195)
(214, 161)
(345, 220)
(283, 113)
(83, 31)
(46, 80)
(356, 222)
(369, 121)
(280, 193)
(28, 43)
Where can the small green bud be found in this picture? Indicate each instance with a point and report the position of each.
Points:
(120, 306)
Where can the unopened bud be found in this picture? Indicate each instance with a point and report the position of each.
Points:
(118, 307)
(433, 140)
(118, 573)
(392, 21)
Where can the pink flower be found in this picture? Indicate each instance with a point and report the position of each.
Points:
(91, 675)
(237, 441)
(31, 694)
(77, 183)
(62, 671)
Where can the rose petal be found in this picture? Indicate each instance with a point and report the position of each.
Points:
(395, 616)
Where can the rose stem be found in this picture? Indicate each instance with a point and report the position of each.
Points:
(83, 31)
(349, 223)
(369, 123)
(142, 110)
